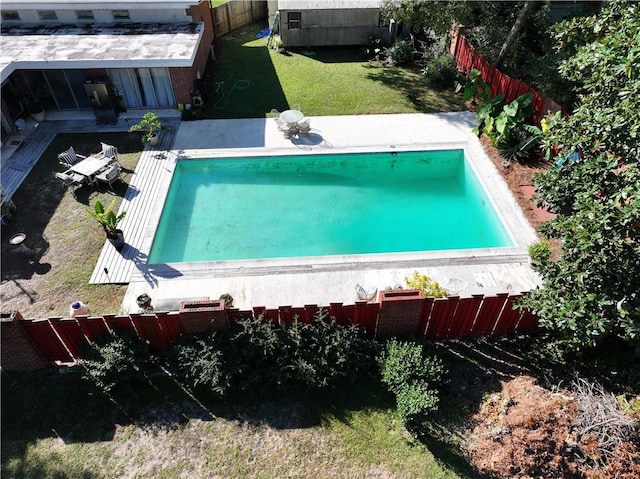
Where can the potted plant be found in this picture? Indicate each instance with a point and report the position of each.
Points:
(280, 46)
(109, 222)
(36, 110)
(150, 124)
(144, 301)
(539, 252)
(228, 300)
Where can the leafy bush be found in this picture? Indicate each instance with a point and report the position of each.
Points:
(399, 53)
(416, 401)
(441, 70)
(115, 362)
(424, 283)
(405, 362)
(257, 355)
(202, 363)
(414, 377)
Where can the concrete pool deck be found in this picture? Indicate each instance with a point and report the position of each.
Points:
(321, 280)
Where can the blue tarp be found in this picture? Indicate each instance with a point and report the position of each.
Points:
(263, 33)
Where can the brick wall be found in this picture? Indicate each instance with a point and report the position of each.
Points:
(18, 352)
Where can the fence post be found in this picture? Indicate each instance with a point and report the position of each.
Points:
(18, 352)
(400, 313)
(200, 316)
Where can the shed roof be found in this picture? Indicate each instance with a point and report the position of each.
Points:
(328, 4)
(99, 46)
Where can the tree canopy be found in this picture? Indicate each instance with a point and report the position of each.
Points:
(593, 288)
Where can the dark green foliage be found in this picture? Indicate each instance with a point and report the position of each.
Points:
(441, 70)
(256, 355)
(414, 376)
(202, 364)
(593, 289)
(115, 362)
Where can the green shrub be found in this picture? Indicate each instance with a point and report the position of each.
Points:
(416, 402)
(441, 70)
(414, 377)
(202, 363)
(406, 362)
(399, 53)
(115, 362)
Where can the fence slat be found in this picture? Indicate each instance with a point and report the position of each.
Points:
(488, 314)
(464, 316)
(70, 333)
(171, 326)
(93, 328)
(441, 314)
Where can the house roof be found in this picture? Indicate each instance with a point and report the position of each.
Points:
(328, 4)
(99, 46)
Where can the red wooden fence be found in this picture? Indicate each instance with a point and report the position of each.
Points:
(400, 313)
(467, 59)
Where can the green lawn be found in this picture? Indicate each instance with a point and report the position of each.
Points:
(252, 80)
(53, 429)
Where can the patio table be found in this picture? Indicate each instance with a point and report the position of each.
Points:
(90, 166)
(292, 117)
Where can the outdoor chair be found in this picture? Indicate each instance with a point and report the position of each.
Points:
(70, 179)
(109, 175)
(70, 157)
(303, 127)
(110, 151)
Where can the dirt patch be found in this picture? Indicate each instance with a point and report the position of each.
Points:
(526, 431)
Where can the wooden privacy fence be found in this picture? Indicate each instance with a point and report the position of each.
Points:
(236, 14)
(501, 83)
(32, 344)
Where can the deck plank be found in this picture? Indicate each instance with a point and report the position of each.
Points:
(115, 267)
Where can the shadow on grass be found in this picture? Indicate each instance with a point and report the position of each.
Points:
(242, 82)
(423, 96)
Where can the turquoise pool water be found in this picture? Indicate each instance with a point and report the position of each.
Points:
(316, 205)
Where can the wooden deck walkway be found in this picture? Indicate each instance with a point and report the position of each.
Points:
(138, 202)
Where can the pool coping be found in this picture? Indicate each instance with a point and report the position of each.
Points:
(332, 135)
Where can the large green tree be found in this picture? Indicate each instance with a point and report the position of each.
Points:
(593, 288)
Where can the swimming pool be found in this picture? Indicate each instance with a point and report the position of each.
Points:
(322, 205)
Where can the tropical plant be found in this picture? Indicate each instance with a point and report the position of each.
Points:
(150, 124)
(593, 289)
(540, 251)
(424, 283)
(106, 217)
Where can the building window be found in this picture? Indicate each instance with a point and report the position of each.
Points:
(9, 15)
(84, 14)
(120, 14)
(47, 14)
(293, 20)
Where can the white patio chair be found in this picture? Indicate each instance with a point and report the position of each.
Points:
(110, 151)
(303, 127)
(70, 157)
(109, 175)
(70, 179)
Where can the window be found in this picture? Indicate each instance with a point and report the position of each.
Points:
(9, 15)
(293, 20)
(84, 14)
(120, 14)
(47, 14)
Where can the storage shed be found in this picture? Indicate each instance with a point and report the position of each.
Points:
(307, 23)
